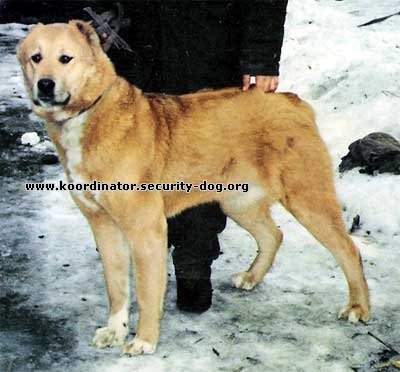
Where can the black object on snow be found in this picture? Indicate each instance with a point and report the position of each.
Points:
(377, 152)
(49, 159)
(356, 224)
(378, 20)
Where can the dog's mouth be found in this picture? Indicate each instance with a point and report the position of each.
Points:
(45, 101)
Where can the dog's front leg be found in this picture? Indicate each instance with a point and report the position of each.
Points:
(146, 232)
(115, 257)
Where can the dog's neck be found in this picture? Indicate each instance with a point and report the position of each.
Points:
(89, 107)
(66, 133)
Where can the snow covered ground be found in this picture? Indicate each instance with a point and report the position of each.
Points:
(51, 284)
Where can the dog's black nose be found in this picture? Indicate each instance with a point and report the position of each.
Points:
(46, 87)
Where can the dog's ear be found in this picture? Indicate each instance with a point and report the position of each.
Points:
(87, 30)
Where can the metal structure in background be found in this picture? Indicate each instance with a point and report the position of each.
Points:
(109, 23)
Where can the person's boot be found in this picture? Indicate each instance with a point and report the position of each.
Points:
(194, 295)
(192, 261)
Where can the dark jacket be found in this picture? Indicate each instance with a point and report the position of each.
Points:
(181, 46)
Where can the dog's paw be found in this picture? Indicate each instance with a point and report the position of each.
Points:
(244, 280)
(354, 313)
(109, 336)
(137, 347)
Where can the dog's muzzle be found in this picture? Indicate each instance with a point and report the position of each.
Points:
(46, 94)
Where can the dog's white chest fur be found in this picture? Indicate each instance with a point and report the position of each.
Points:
(71, 134)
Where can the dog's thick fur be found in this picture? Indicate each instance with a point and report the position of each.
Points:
(107, 130)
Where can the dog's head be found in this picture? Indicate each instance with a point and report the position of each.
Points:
(64, 67)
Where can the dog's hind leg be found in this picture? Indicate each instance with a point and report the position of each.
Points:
(314, 205)
(115, 257)
(255, 218)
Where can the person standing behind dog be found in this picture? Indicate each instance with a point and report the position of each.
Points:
(180, 47)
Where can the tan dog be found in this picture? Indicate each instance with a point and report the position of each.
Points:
(108, 130)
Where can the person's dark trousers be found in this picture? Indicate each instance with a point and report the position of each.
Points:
(188, 232)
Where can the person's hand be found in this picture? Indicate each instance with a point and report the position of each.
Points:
(264, 83)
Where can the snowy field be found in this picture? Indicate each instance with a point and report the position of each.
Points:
(51, 286)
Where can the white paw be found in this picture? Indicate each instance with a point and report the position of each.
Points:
(109, 336)
(353, 317)
(354, 313)
(138, 346)
(244, 280)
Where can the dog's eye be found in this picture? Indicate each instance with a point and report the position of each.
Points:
(65, 59)
(36, 57)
